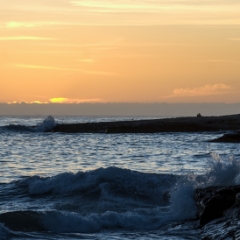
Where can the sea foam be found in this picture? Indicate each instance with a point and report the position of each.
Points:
(224, 172)
(221, 172)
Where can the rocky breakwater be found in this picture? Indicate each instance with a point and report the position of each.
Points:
(180, 124)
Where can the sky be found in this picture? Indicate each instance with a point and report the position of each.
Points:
(128, 51)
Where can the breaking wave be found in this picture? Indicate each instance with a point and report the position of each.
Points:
(222, 172)
(113, 198)
(45, 126)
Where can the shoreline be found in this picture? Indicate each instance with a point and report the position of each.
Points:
(178, 124)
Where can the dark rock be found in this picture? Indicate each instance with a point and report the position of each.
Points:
(180, 124)
(212, 202)
(229, 138)
(226, 227)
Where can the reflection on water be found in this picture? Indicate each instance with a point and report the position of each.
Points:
(24, 154)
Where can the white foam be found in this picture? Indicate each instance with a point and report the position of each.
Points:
(224, 172)
(221, 173)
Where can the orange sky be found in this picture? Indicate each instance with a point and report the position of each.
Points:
(120, 51)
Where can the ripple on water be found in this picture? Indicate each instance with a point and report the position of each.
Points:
(23, 154)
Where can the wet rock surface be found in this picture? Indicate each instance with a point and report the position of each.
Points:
(219, 212)
(226, 227)
(214, 201)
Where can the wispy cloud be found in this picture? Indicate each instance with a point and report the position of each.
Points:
(28, 66)
(163, 12)
(144, 12)
(206, 90)
(27, 102)
(118, 6)
(61, 101)
(25, 38)
(62, 69)
(86, 60)
(222, 61)
(152, 5)
(29, 24)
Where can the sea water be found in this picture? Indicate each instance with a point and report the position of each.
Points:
(105, 186)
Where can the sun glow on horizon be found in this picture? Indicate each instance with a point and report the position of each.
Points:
(58, 100)
(76, 101)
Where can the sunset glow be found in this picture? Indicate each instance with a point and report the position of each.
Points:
(119, 51)
(58, 100)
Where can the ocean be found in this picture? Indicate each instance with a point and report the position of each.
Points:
(105, 186)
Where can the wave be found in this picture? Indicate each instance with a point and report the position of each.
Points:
(222, 172)
(105, 198)
(112, 198)
(110, 183)
(45, 126)
(65, 222)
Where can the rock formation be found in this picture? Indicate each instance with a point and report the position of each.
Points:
(180, 124)
(228, 138)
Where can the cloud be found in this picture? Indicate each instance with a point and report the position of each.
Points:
(61, 100)
(25, 38)
(28, 66)
(14, 24)
(142, 12)
(162, 12)
(26, 102)
(117, 6)
(153, 6)
(222, 61)
(205, 90)
(86, 60)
